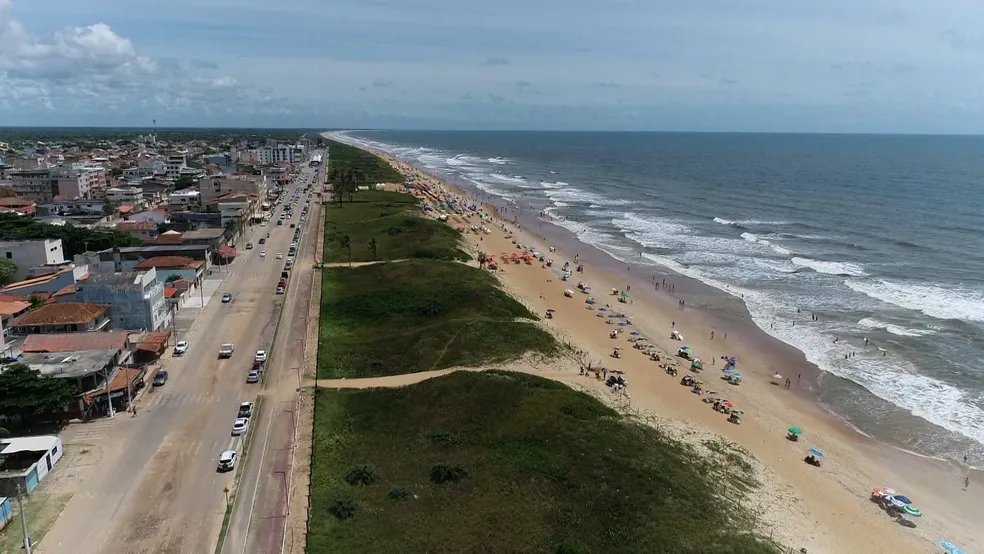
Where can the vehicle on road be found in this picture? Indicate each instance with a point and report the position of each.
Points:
(253, 376)
(226, 350)
(249, 246)
(261, 356)
(263, 253)
(160, 378)
(281, 290)
(280, 255)
(240, 426)
(246, 409)
(227, 460)
(181, 347)
(226, 298)
(262, 241)
(280, 222)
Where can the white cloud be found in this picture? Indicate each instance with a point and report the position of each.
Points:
(91, 68)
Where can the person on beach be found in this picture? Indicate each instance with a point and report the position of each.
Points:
(966, 482)
(712, 335)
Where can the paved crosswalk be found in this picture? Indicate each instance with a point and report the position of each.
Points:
(167, 399)
(88, 432)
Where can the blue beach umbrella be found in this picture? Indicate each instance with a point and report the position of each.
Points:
(816, 452)
(903, 499)
(951, 548)
(738, 375)
(602, 309)
(635, 333)
(622, 324)
(612, 316)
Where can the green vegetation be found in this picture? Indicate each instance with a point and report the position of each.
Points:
(42, 512)
(7, 271)
(384, 225)
(508, 462)
(75, 240)
(366, 167)
(27, 397)
(420, 315)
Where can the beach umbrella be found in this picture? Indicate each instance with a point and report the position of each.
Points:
(696, 364)
(795, 430)
(883, 491)
(911, 510)
(728, 404)
(901, 498)
(776, 375)
(735, 375)
(622, 324)
(635, 333)
(951, 548)
(816, 452)
(602, 309)
(612, 316)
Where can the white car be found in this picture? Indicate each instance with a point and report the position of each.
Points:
(227, 460)
(263, 253)
(181, 347)
(239, 426)
(280, 255)
(261, 356)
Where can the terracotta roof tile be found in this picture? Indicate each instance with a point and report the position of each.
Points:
(71, 342)
(130, 226)
(168, 262)
(61, 313)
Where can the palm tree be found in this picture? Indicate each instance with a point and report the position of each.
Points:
(345, 242)
(373, 244)
(231, 228)
(35, 301)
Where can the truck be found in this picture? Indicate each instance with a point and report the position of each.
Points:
(226, 350)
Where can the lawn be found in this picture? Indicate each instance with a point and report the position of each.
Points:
(395, 222)
(343, 157)
(420, 315)
(512, 463)
(42, 512)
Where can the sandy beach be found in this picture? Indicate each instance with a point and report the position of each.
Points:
(825, 509)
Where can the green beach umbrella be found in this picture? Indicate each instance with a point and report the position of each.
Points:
(795, 430)
(624, 294)
(912, 510)
(697, 364)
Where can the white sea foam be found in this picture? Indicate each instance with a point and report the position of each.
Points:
(554, 185)
(935, 300)
(723, 221)
(461, 160)
(515, 179)
(872, 323)
(830, 268)
(497, 161)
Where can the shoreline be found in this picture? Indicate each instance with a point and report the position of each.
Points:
(835, 496)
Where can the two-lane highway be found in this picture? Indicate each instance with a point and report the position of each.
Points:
(156, 489)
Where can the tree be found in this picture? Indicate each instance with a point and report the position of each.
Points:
(373, 244)
(183, 182)
(345, 242)
(171, 278)
(75, 240)
(231, 228)
(7, 271)
(108, 208)
(35, 301)
(26, 395)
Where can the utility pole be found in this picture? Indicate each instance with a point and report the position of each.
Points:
(109, 395)
(20, 507)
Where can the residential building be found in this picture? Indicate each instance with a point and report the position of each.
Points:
(188, 221)
(33, 184)
(28, 254)
(184, 199)
(176, 161)
(213, 238)
(280, 154)
(12, 307)
(61, 281)
(62, 317)
(17, 205)
(216, 186)
(139, 172)
(174, 267)
(137, 299)
(81, 181)
(146, 230)
(25, 461)
(238, 207)
(65, 207)
(118, 196)
(152, 216)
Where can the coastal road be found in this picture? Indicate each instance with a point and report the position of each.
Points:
(149, 484)
(259, 518)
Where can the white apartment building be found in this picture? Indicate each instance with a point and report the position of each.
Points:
(139, 172)
(182, 199)
(27, 254)
(284, 153)
(124, 195)
(33, 184)
(176, 161)
(82, 181)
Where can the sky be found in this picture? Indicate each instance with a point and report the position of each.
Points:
(874, 66)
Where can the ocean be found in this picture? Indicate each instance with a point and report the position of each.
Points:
(880, 237)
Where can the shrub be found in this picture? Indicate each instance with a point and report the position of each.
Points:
(361, 476)
(447, 473)
(343, 509)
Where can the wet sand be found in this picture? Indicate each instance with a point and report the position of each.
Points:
(823, 509)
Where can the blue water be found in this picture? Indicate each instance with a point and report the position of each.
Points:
(880, 236)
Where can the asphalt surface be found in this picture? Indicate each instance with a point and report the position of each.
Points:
(154, 487)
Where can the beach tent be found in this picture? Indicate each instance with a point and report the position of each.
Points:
(696, 364)
(951, 548)
(795, 431)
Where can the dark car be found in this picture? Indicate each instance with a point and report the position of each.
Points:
(160, 378)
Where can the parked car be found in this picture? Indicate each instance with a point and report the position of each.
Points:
(281, 290)
(160, 378)
(226, 298)
(240, 426)
(253, 376)
(181, 347)
(261, 356)
(246, 409)
(227, 460)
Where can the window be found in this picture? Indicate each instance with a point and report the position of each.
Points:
(54, 450)
(10, 255)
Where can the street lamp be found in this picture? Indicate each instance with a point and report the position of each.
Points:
(20, 507)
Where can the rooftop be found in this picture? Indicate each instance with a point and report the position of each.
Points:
(114, 279)
(127, 226)
(69, 365)
(168, 262)
(11, 307)
(71, 342)
(204, 234)
(62, 313)
(40, 443)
